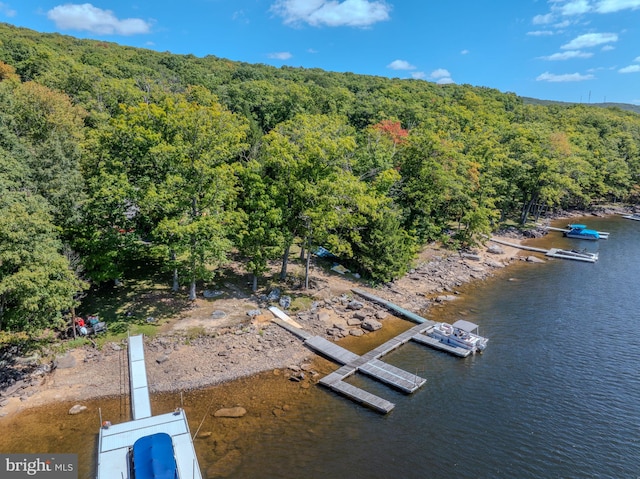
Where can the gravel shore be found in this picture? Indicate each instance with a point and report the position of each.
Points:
(222, 339)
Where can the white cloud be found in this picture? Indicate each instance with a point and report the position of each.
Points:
(6, 10)
(540, 33)
(561, 25)
(543, 19)
(569, 54)
(464, 52)
(400, 65)
(630, 69)
(636, 60)
(92, 19)
(441, 76)
(590, 40)
(575, 7)
(280, 55)
(332, 13)
(611, 6)
(567, 77)
(418, 75)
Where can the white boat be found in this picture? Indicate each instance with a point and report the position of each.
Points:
(462, 334)
(634, 216)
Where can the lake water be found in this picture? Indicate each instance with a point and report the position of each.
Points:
(555, 395)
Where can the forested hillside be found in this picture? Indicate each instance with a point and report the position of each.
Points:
(111, 154)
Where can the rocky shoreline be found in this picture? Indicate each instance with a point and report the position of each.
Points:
(249, 343)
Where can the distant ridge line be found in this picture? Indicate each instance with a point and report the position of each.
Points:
(622, 106)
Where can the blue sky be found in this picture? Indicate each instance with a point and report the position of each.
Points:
(567, 50)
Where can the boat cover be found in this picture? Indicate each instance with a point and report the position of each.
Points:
(467, 326)
(577, 227)
(153, 457)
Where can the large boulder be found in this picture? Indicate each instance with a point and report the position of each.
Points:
(371, 324)
(445, 298)
(77, 409)
(354, 322)
(534, 259)
(237, 411)
(355, 305)
(381, 314)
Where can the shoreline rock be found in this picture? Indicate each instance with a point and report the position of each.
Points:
(176, 361)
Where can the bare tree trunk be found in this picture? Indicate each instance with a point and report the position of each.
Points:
(73, 321)
(307, 263)
(285, 262)
(527, 209)
(254, 287)
(306, 272)
(176, 283)
(192, 290)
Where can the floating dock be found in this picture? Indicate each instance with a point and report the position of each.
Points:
(574, 255)
(370, 363)
(116, 441)
(553, 252)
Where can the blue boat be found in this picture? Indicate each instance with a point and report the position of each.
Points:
(581, 232)
(152, 457)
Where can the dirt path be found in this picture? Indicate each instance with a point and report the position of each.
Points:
(217, 341)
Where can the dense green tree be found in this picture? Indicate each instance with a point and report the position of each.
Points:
(36, 281)
(301, 158)
(177, 186)
(259, 239)
(369, 166)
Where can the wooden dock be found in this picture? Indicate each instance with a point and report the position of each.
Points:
(335, 383)
(573, 255)
(519, 246)
(553, 252)
(434, 343)
(370, 363)
(393, 307)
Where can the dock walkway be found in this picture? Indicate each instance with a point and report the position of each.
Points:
(115, 441)
(368, 363)
(140, 404)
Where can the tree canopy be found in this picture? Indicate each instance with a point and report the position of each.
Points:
(110, 151)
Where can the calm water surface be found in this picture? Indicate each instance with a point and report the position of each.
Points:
(555, 395)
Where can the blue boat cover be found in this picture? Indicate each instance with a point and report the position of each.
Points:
(153, 457)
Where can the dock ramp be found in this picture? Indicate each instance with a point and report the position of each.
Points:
(140, 404)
